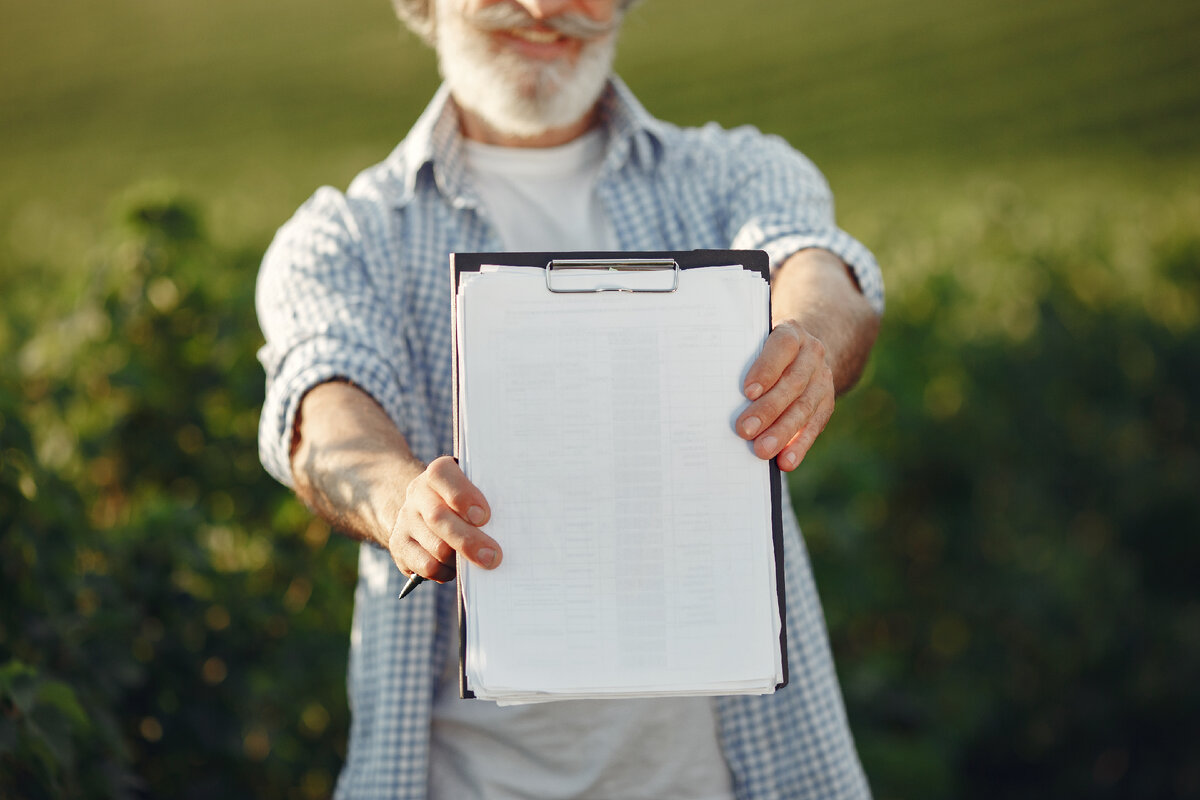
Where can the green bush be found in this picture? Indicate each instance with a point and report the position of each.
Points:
(173, 623)
(1002, 520)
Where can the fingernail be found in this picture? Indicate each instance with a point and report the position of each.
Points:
(751, 425)
(476, 514)
(768, 443)
(486, 556)
(789, 460)
(753, 391)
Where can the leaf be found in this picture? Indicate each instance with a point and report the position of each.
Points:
(62, 697)
(19, 683)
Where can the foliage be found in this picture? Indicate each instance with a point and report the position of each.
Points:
(171, 623)
(1003, 519)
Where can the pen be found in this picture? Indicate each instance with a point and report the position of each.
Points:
(414, 581)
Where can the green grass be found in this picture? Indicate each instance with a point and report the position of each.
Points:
(249, 106)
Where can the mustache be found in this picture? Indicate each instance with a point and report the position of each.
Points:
(507, 16)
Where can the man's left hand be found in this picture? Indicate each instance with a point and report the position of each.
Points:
(791, 388)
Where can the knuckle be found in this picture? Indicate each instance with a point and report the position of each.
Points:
(412, 488)
(429, 566)
(815, 345)
(792, 384)
(793, 336)
(457, 497)
(768, 410)
(440, 516)
(406, 522)
(444, 553)
(458, 538)
(790, 327)
(805, 409)
(406, 553)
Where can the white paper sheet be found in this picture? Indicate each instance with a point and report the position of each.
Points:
(636, 525)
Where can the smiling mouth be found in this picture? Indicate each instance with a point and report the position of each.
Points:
(535, 35)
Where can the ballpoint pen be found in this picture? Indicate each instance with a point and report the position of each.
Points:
(414, 581)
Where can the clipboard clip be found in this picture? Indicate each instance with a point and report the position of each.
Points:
(636, 265)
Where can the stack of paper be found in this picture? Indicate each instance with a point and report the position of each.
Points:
(635, 524)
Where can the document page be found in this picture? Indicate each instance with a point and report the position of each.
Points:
(635, 523)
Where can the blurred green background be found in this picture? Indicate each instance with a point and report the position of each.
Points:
(1003, 518)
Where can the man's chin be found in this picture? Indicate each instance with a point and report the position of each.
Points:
(531, 105)
(508, 123)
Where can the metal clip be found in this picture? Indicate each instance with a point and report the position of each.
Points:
(612, 265)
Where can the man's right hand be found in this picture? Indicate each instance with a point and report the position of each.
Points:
(351, 465)
(441, 517)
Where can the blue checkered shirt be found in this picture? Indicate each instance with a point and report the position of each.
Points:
(357, 286)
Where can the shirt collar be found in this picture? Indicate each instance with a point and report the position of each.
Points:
(433, 149)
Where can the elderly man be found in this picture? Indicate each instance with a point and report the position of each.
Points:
(533, 144)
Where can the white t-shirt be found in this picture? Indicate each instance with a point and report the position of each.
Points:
(645, 749)
(543, 198)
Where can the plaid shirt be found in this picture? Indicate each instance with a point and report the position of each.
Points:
(356, 285)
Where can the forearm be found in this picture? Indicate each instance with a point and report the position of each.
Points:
(350, 464)
(814, 288)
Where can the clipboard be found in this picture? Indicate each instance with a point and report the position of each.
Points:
(614, 261)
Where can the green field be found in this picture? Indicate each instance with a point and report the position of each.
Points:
(251, 105)
(1002, 518)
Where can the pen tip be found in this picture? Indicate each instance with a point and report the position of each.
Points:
(413, 582)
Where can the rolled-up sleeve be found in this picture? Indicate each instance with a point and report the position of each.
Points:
(781, 203)
(323, 319)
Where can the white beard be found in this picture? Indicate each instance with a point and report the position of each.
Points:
(513, 95)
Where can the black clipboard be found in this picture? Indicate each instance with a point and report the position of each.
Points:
(752, 260)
